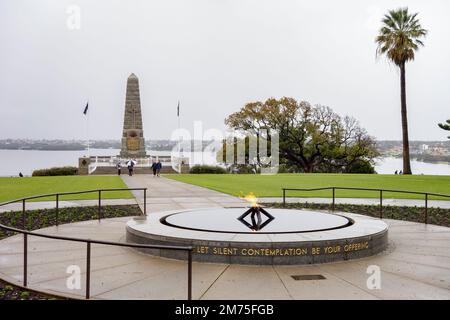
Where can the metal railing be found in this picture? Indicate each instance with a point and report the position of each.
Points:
(88, 242)
(380, 191)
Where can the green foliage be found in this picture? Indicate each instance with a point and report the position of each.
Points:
(436, 216)
(361, 166)
(56, 171)
(201, 169)
(311, 138)
(400, 36)
(43, 218)
(445, 126)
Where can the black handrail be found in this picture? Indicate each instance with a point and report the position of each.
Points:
(88, 242)
(333, 204)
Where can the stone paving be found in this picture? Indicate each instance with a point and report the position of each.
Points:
(415, 266)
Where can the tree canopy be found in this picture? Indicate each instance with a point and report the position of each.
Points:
(311, 138)
(445, 126)
(400, 36)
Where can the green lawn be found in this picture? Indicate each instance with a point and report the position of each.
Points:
(14, 188)
(270, 185)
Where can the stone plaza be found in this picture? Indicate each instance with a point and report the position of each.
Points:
(415, 264)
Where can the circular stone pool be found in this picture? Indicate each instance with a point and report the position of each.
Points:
(226, 221)
(282, 236)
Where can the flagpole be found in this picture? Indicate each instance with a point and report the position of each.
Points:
(179, 138)
(88, 138)
(87, 131)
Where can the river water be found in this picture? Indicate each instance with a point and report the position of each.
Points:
(14, 161)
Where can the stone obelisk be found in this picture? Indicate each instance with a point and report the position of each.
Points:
(133, 143)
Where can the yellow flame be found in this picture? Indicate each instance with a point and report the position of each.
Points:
(250, 197)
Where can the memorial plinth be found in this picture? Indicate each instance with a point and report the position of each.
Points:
(133, 143)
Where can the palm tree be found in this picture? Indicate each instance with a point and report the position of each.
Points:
(399, 38)
(445, 126)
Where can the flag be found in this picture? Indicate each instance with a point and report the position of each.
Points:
(86, 108)
(178, 109)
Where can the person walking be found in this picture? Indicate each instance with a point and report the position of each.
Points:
(119, 168)
(158, 167)
(154, 168)
(130, 165)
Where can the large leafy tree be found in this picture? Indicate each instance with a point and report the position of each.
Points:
(311, 138)
(445, 126)
(399, 38)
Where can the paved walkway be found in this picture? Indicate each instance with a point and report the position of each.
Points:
(167, 194)
(416, 266)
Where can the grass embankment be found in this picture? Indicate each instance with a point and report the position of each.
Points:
(270, 185)
(14, 188)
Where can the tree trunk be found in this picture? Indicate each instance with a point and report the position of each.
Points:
(406, 160)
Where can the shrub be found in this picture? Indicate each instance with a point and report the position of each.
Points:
(244, 169)
(361, 166)
(56, 171)
(207, 169)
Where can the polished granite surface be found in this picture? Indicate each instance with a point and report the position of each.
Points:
(226, 220)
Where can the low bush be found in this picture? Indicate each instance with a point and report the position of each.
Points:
(436, 216)
(207, 169)
(56, 171)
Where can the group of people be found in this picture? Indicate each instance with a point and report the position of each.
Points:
(398, 172)
(130, 166)
(156, 167)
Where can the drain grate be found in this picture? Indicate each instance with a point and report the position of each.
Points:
(299, 277)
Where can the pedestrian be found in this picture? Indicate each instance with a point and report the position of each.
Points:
(20, 174)
(401, 172)
(130, 165)
(158, 167)
(119, 168)
(396, 172)
(154, 168)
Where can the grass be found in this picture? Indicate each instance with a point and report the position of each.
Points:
(14, 188)
(270, 185)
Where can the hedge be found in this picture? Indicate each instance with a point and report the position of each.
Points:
(56, 171)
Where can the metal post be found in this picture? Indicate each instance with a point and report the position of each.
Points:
(57, 210)
(426, 208)
(145, 201)
(99, 205)
(284, 197)
(23, 215)
(25, 259)
(88, 271)
(190, 275)
(334, 203)
(381, 204)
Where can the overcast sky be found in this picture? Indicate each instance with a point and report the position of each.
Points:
(213, 56)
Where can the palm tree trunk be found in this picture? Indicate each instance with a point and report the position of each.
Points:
(406, 160)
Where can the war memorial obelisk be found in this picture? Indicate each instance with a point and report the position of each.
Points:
(133, 143)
